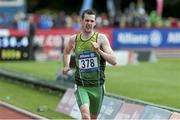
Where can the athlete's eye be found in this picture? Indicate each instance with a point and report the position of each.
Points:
(89, 21)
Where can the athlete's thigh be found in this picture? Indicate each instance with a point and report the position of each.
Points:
(81, 96)
(96, 99)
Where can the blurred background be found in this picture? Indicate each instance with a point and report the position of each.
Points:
(144, 35)
(43, 27)
(111, 13)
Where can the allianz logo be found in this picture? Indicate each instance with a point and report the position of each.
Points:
(154, 38)
(84, 55)
(173, 37)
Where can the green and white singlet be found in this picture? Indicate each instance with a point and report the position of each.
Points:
(90, 65)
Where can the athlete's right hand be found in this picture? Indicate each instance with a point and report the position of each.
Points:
(65, 70)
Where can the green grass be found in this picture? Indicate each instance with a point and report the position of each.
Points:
(45, 69)
(157, 83)
(30, 98)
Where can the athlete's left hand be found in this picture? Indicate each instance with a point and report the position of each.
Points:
(95, 46)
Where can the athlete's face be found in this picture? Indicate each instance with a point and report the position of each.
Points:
(88, 23)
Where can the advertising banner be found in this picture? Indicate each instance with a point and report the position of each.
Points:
(175, 116)
(146, 38)
(110, 108)
(130, 111)
(50, 43)
(155, 113)
(14, 45)
(14, 48)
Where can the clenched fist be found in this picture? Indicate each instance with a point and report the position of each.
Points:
(95, 45)
(65, 70)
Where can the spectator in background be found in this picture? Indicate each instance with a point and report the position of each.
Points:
(1, 21)
(142, 15)
(111, 10)
(174, 22)
(20, 20)
(154, 19)
(102, 20)
(23, 24)
(68, 21)
(46, 21)
(75, 22)
(59, 21)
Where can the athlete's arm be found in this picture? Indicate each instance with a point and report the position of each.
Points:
(106, 52)
(67, 53)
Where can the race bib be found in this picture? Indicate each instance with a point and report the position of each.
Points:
(88, 62)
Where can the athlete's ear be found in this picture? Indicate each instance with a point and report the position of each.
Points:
(80, 20)
(95, 24)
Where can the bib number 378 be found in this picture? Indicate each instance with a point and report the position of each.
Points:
(88, 63)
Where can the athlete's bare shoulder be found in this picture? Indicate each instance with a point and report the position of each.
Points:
(102, 38)
(72, 37)
(71, 41)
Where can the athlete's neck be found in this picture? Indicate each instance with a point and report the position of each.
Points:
(86, 35)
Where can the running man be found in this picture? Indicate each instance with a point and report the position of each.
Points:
(92, 50)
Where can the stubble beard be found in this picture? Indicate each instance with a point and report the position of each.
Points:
(88, 28)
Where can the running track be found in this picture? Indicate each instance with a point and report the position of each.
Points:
(8, 111)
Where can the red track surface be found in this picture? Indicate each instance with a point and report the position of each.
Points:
(7, 113)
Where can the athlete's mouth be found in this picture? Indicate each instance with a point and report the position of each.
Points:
(88, 26)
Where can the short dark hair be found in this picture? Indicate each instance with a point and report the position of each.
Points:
(89, 12)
